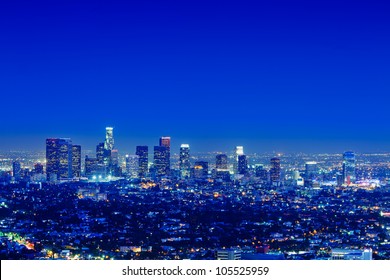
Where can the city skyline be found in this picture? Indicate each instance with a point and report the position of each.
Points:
(268, 76)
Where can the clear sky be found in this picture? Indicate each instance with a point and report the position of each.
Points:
(269, 75)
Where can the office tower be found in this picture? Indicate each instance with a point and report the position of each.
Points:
(132, 166)
(100, 153)
(242, 164)
(16, 170)
(222, 171)
(275, 171)
(184, 161)
(201, 169)
(58, 158)
(76, 161)
(109, 143)
(91, 166)
(221, 162)
(142, 153)
(239, 151)
(38, 168)
(349, 167)
(261, 172)
(165, 141)
(114, 157)
(311, 170)
(161, 160)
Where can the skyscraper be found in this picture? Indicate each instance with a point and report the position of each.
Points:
(100, 153)
(165, 141)
(58, 158)
(349, 167)
(109, 143)
(242, 164)
(91, 166)
(275, 171)
(184, 161)
(142, 153)
(114, 157)
(201, 169)
(261, 172)
(132, 166)
(221, 162)
(311, 172)
(76, 161)
(239, 151)
(16, 170)
(161, 160)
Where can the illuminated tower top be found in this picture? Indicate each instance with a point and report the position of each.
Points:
(165, 141)
(109, 143)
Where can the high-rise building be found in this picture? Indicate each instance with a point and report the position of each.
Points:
(16, 170)
(261, 172)
(142, 153)
(201, 169)
(275, 170)
(58, 158)
(91, 166)
(100, 153)
(184, 161)
(221, 162)
(165, 141)
(311, 170)
(349, 167)
(161, 160)
(114, 157)
(76, 161)
(239, 151)
(242, 164)
(311, 173)
(109, 143)
(132, 166)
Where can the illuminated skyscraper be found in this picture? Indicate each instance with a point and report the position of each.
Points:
(311, 170)
(349, 167)
(132, 166)
(184, 163)
(161, 160)
(239, 151)
(115, 157)
(91, 166)
(262, 173)
(109, 143)
(58, 158)
(100, 153)
(275, 171)
(311, 173)
(221, 162)
(242, 164)
(201, 169)
(76, 161)
(165, 141)
(142, 153)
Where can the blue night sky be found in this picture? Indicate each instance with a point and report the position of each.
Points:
(269, 75)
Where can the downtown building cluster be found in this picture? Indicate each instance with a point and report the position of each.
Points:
(64, 163)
